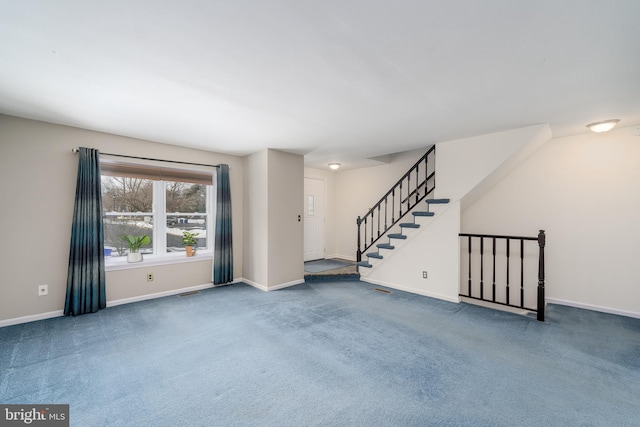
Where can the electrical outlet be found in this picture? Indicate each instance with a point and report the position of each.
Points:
(43, 290)
(424, 274)
(149, 277)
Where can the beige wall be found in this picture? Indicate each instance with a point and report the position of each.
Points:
(465, 168)
(583, 190)
(256, 221)
(273, 235)
(286, 231)
(432, 248)
(358, 190)
(38, 172)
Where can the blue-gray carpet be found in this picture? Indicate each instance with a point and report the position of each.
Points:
(326, 354)
(324, 265)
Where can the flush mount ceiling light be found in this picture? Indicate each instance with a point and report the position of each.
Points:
(334, 166)
(603, 126)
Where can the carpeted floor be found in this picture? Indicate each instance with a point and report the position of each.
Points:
(326, 354)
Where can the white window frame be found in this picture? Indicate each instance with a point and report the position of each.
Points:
(160, 256)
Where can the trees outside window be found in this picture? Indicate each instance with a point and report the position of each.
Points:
(160, 209)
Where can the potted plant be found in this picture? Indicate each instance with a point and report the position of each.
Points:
(135, 242)
(189, 242)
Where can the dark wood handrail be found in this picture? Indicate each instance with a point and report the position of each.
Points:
(540, 238)
(376, 222)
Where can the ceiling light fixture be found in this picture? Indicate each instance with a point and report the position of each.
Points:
(334, 166)
(603, 126)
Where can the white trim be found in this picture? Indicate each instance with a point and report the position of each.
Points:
(272, 288)
(286, 285)
(145, 297)
(411, 290)
(592, 307)
(255, 285)
(31, 318)
(348, 258)
(114, 303)
(159, 196)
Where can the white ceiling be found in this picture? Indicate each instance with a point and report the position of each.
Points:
(341, 81)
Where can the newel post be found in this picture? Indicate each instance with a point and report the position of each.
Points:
(542, 238)
(358, 253)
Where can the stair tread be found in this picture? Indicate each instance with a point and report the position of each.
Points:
(397, 236)
(385, 246)
(364, 264)
(374, 255)
(422, 213)
(409, 225)
(438, 201)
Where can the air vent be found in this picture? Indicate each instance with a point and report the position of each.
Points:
(384, 291)
(186, 294)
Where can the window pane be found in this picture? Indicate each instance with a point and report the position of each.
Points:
(186, 207)
(118, 225)
(184, 197)
(121, 194)
(179, 223)
(120, 197)
(311, 205)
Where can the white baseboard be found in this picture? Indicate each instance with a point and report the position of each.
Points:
(272, 288)
(443, 297)
(592, 307)
(31, 318)
(114, 303)
(145, 297)
(255, 285)
(348, 258)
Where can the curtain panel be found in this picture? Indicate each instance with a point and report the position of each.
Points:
(85, 277)
(223, 249)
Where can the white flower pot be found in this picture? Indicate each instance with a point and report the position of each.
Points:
(134, 257)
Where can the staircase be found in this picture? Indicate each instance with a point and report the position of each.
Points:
(409, 240)
(413, 187)
(401, 236)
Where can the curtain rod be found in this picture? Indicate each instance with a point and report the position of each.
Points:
(75, 151)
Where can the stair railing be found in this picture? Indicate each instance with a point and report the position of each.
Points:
(490, 285)
(416, 184)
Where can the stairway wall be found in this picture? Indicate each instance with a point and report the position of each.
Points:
(402, 267)
(583, 190)
(465, 170)
(358, 190)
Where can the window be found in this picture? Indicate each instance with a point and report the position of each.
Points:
(161, 203)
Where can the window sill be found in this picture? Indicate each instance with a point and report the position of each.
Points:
(154, 260)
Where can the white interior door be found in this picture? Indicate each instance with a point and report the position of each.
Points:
(313, 219)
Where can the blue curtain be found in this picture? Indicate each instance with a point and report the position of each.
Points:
(223, 251)
(85, 278)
